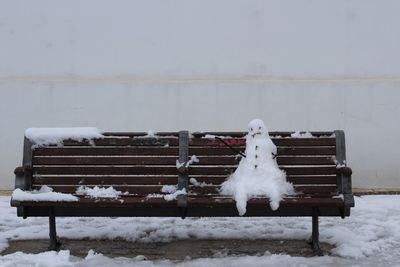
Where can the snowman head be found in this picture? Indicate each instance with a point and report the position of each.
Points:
(257, 127)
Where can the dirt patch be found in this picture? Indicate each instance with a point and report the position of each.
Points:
(174, 250)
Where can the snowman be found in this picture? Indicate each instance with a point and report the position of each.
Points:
(258, 174)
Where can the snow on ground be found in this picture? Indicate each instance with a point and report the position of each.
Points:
(369, 237)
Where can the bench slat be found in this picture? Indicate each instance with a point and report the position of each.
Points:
(110, 141)
(290, 170)
(194, 202)
(171, 170)
(174, 141)
(272, 134)
(162, 180)
(263, 202)
(104, 160)
(143, 160)
(235, 142)
(140, 134)
(105, 180)
(323, 150)
(206, 190)
(154, 151)
(103, 151)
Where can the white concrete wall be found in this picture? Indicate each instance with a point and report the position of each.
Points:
(205, 65)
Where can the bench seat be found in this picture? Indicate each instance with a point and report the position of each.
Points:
(197, 207)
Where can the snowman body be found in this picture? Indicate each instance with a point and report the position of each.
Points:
(258, 174)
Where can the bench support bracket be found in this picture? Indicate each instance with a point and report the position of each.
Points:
(183, 177)
(314, 240)
(54, 240)
(344, 173)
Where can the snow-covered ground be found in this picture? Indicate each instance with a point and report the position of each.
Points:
(369, 237)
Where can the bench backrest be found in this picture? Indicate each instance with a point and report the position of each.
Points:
(141, 165)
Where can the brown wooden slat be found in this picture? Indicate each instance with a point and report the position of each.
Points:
(138, 190)
(323, 141)
(139, 134)
(169, 170)
(97, 151)
(315, 189)
(306, 151)
(306, 170)
(305, 189)
(282, 151)
(105, 180)
(206, 190)
(312, 179)
(153, 151)
(162, 180)
(285, 160)
(309, 170)
(105, 160)
(129, 201)
(263, 202)
(300, 189)
(173, 141)
(201, 151)
(110, 141)
(102, 170)
(124, 201)
(274, 133)
(143, 160)
(316, 179)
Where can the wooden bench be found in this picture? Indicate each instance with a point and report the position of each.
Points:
(140, 165)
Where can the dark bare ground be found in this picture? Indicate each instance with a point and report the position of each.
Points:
(174, 250)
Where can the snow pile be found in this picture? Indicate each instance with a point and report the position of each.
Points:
(174, 195)
(298, 134)
(149, 134)
(99, 192)
(45, 193)
(192, 160)
(179, 164)
(55, 136)
(172, 191)
(155, 196)
(258, 173)
(338, 164)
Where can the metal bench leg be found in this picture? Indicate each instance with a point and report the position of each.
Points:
(54, 241)
(314, 241)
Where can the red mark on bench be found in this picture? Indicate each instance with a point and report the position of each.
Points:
(231, 142)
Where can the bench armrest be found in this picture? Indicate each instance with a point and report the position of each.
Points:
(22, 175)
(344, 170)
(347, 187)
(19, 171)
